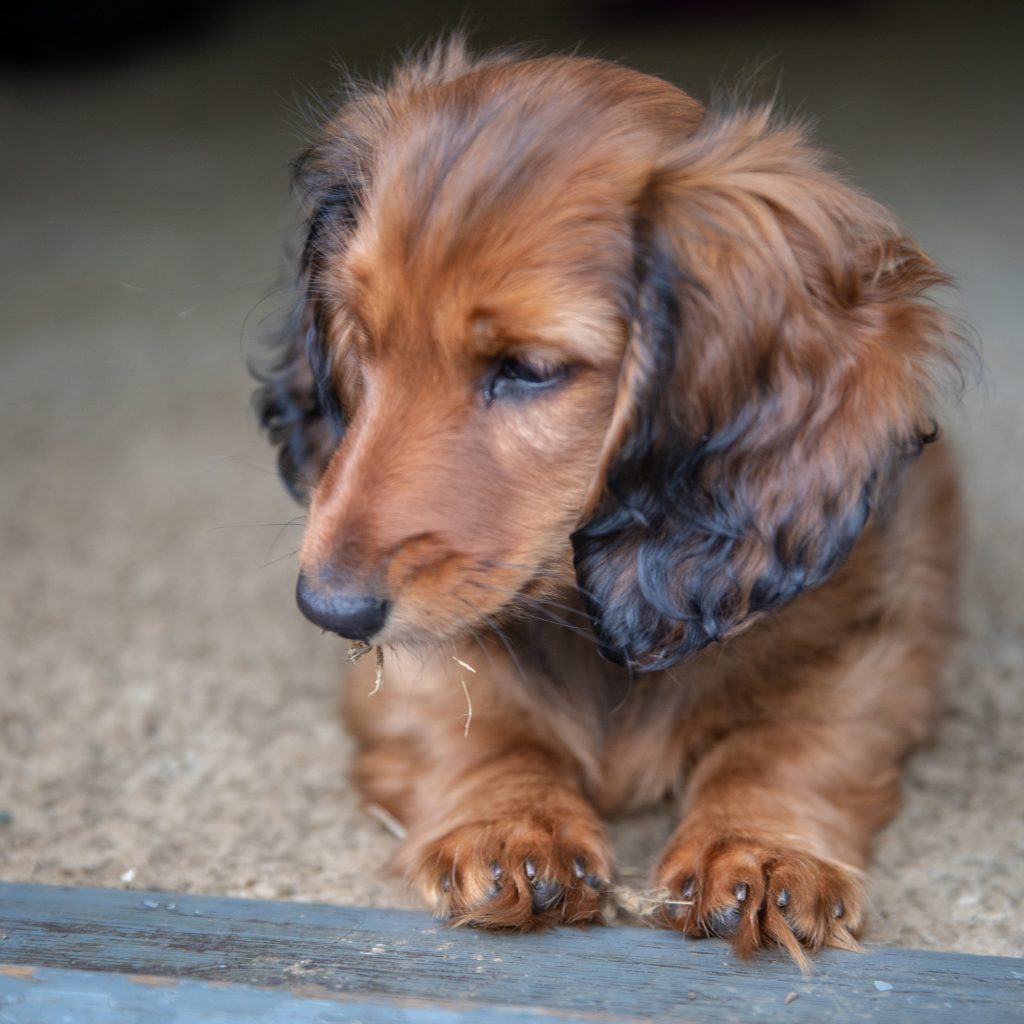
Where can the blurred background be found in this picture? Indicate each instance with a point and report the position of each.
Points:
(166, 716)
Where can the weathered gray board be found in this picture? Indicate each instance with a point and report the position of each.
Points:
(95, 956)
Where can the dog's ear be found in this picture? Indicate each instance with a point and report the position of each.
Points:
(782, 362)
(297, 403)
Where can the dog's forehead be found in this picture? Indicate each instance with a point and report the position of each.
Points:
(510, 205)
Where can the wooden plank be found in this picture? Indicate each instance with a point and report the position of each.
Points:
(369, 962)
(43, 995)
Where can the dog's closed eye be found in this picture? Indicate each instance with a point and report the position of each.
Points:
(516, 376)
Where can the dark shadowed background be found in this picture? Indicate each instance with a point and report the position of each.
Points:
(166, 717)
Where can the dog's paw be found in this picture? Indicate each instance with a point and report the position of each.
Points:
(756, 891)
(524, 872)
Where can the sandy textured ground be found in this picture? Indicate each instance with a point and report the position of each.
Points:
(166, 717)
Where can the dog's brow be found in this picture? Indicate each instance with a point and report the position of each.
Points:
(575, 338)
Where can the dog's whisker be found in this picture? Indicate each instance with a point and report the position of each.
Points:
(544, 599)
(542, 573)
(249, 463)
(280, 558)
(297, 521)
(520, 606)
(500, 633)
(525, 612)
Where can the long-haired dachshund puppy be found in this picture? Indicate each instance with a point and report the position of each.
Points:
(624, 403)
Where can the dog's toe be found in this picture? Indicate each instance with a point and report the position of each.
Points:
(513, 875)
(760, 892)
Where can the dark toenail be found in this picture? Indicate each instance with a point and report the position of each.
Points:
(496, 885)
(839, 909)
(688, 888)
(546, 893)
(742, 892)
(579, 867)
(724, 923)
(782, 900)
(446, 883)
(530, 868)
(596, 882)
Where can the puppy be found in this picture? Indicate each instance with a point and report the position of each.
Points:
(621, 403)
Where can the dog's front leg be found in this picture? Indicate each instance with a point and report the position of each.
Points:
(499, 832)
(777, 826)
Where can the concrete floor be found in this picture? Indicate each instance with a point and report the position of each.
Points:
(166, 717)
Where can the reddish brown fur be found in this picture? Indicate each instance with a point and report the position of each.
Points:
(500, 197)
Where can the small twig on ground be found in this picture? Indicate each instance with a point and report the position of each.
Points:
(386, 820)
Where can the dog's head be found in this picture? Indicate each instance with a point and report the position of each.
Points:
(558, 325)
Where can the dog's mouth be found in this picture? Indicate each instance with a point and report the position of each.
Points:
(443, 600)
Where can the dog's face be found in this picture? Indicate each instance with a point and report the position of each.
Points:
(472, 372)
(557, 326)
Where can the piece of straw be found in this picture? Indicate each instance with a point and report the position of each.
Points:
(386, 820)
(465, 690)
(469, 707)
(360, 647)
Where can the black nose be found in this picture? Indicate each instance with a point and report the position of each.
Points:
(353, 615)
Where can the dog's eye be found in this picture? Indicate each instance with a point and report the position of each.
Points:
(514, 376)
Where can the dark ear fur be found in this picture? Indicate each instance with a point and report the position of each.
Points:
(779, 368)
(297, 403)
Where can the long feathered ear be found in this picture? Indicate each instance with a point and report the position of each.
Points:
(296, 402)
(783, 361)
